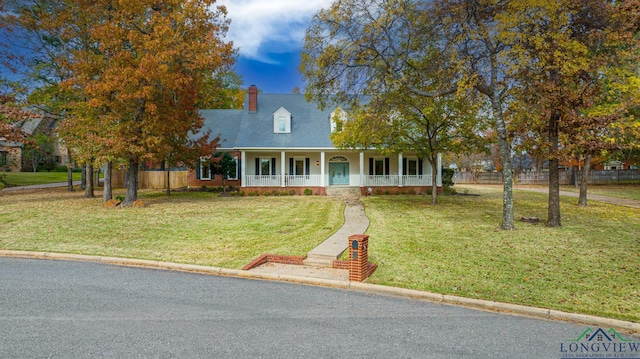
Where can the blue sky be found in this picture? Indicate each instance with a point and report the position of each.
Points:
(269, 36)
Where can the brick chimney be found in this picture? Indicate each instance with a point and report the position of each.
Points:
(253, 98)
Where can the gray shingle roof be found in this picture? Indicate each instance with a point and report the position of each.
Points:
(240, 129)
(223, 123)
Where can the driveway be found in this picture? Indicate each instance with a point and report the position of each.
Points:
(73, 309)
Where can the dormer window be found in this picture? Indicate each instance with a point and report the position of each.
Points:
(282, 121)
(338, 117)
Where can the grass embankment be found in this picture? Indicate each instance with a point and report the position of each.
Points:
(198, 228)
(32, 178)
(591, 265)
(627, 191)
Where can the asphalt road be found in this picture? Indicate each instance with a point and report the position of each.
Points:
(85, 310)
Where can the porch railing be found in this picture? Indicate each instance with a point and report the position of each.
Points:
(302, 181)
(381, 181)
(263, 181)
(394, 181)
(276, 181)
(314, 181)
(423, 180)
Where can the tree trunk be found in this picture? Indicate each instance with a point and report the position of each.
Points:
(507, 168)
(88, 191)
(582, 200)
(83, 178)
(69, 172)
(132, 183)
(554, 179)
(107, 194)
(168, 180)
(433, 161)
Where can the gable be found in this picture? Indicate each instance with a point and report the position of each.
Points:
(282, 121)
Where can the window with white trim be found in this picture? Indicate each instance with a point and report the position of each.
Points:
(233, 172)
(378, 166)
(412, 167)
(299, 167)
(282, 121)
(265, 167)
(205, 169)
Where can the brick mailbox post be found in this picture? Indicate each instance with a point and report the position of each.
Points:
(358, 257)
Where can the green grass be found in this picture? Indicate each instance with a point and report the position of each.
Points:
(31, 178)
(590, 265)
(627, 191)
(198, 228)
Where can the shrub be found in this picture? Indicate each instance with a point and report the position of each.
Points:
(120, 198)
(447, 177)
(60, 169)
(308, 192)
(379, 192)
(292, 192)
(448, 190)
(267, 194)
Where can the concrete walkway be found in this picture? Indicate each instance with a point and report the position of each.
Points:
(355, 222)
(320, 259)
(39, 186)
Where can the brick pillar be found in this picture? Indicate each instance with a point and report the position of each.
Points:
(358, 257)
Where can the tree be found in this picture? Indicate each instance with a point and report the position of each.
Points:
(138, 70)
(395, 123)
(40, 149)
(366, 47)
(189, 153)
(561, 52)
(224, 165)
(10, 115)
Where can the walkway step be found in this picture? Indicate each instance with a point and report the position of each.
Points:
(317, 262)
(348, 192)
(355, 222)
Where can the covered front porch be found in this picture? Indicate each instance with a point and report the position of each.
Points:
(318, 169)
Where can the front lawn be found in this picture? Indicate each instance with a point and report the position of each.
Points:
(197, 228)
(590, 265)
(31, 178)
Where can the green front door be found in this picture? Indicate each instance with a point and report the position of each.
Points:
(338, 173)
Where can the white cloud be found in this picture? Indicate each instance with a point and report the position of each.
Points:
(277, 24)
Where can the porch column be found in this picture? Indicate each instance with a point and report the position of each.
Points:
(243, 169)
(322, 169)
(400, 169)
(282, 168)
(361, 168)
(439, 171)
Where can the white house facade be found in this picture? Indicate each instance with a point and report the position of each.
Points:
(281, 143)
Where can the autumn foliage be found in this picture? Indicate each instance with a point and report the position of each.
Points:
(136, 71)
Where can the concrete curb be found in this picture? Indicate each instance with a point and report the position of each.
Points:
(543, 313)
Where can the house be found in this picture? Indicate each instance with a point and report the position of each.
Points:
(12, 157)
(280, 142)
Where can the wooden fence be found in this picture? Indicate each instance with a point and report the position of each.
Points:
(152, 179)
(567, 177)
